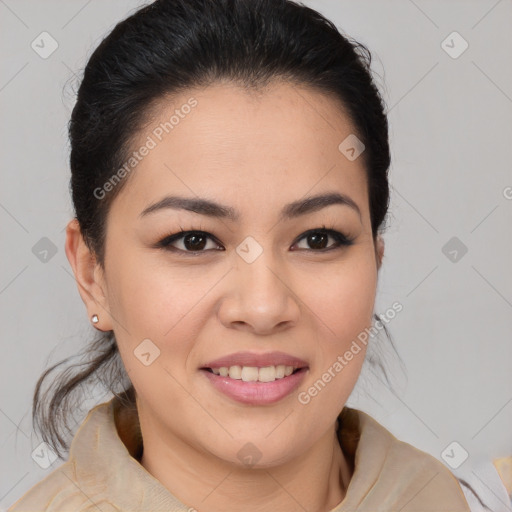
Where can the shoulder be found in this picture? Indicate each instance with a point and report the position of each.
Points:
(394, 474)
(81, 483)
(59, 491)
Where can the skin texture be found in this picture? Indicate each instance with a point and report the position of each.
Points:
(254, 152)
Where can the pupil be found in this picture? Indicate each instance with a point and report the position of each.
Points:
(315, 240)
(195, 244)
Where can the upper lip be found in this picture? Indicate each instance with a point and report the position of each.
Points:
(258, 360)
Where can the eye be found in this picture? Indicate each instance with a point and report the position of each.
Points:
(317, 239)
(190, 241)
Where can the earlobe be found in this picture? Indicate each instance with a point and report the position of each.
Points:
(88, 275)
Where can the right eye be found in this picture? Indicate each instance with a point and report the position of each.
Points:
(191, 241)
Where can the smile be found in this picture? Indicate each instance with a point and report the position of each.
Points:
(253, 385)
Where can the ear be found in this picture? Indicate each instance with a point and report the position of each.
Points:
(379, 250)
(89, 276)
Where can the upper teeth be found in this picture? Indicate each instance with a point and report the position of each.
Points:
(253, 373)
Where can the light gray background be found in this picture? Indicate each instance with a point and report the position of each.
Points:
(451, 137)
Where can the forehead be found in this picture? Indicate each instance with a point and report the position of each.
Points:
(250, 149)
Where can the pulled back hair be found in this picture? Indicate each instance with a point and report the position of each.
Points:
(164, 49)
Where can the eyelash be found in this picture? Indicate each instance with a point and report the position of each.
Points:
(341, 240)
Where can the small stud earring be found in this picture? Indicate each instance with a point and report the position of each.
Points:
(95, 319)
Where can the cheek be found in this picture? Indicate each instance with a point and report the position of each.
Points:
(150, 297)
(156, 303)
(343, 299)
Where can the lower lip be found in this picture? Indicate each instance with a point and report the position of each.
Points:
(256, 393)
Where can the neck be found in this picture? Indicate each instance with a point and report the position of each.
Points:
(316, 480)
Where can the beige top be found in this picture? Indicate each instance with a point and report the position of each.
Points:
(103, 471)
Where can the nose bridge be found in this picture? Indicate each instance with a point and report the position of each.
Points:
(258, 274)
(260, 297)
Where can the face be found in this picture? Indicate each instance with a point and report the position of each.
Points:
(255, 276)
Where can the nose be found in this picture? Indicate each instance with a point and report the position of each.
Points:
(260, 298)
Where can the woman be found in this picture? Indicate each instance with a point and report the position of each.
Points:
(229, 176)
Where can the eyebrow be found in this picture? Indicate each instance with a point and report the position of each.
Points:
(211, 209)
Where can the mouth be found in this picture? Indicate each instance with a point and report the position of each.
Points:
(255, 378)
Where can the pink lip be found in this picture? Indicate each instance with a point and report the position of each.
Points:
(256, 393)
(258, 360)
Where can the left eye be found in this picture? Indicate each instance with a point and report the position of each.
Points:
(196, 241)
(317, 237)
